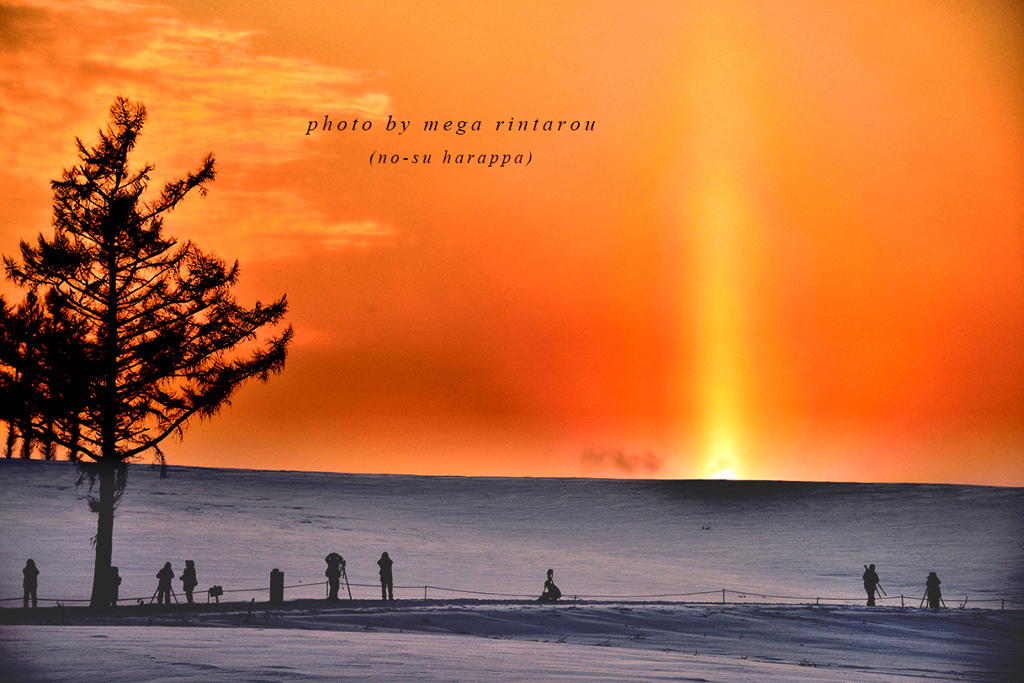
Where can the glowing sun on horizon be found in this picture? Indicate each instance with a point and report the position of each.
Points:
(724, 474)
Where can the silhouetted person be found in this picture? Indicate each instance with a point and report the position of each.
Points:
(188, 580)
(932, 591)
(113, 585)
(335, 565)
(870, 584)
(163, 588)
(387, 581)
(551, 592)
(31, 582)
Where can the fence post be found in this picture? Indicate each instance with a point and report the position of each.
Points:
(276, 587)
(723, 596)
(424, 592)
(902, 604)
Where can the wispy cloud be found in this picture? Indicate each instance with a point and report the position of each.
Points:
(619, 462)
(205, 85)
(276, 224)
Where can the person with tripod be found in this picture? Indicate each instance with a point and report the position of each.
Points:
(871, 584)
(335, 568)
(163, 587)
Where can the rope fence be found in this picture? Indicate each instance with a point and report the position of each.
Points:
(723, 595)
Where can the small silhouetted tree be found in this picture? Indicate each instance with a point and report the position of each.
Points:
(138, 333)
(20, 327)
(42, 376)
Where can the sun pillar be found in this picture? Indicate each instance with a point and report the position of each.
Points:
(723, 94)
(718, 228)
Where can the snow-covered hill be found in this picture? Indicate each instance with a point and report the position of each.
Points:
(602, 537)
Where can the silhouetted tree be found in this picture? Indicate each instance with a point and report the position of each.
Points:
(24, 332)
(139, 333)
(41, 374)
(12, 377)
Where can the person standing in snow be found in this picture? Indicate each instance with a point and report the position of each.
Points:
(114, 584)
(188, 580)
(30, 584)
(932, 591)
(163, 587)
(387, 581)
(335, 566)
(870, 584)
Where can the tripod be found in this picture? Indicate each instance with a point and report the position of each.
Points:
(173, 595)
(925, 597)
(336, 560)
(345, 575)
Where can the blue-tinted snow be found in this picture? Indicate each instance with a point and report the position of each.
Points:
(602, 537)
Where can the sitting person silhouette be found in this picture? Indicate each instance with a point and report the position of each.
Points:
(551, 592)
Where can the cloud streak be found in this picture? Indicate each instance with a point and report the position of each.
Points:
(619, 462)
(277, 224)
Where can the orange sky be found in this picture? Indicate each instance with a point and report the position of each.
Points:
(791, 248)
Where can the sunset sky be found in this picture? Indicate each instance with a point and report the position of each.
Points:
(790, 247)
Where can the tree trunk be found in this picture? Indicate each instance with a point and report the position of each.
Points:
(10, 439)
(108, 417)
(104, 538)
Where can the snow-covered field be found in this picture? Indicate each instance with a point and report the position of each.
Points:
(475, 640)
(614, 544)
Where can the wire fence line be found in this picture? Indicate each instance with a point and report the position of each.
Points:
(723, 596)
